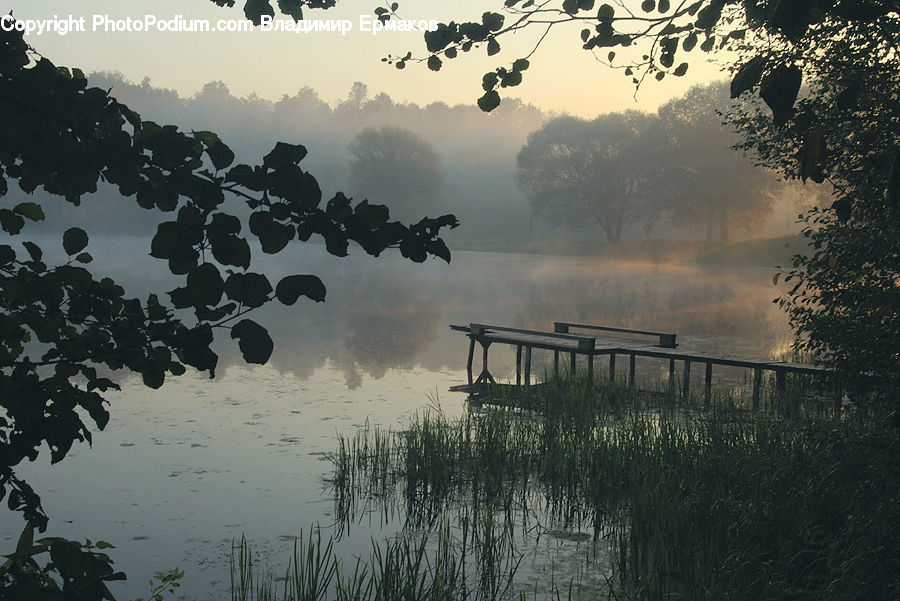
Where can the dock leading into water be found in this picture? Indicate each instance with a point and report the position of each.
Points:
(573, 339)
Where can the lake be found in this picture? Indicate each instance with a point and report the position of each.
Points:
(182, 471)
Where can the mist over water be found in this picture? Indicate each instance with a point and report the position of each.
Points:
(181, 471)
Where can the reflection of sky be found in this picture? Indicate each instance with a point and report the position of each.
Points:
(182, 470)
(562, 78)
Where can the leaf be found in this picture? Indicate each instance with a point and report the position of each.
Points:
(570, 6)
(434, 62)
(489, 101)
(775, 278)
(747, 76)
(664, 6)
(284, 154)
(292, 8)
(779, 90)
(26, 541)
(493, 21)
(29, 210)
(74, 240)
(34, 250)
(255, 9)
(249, 289)
(648, 6)
(689, 42)
(680, 70)
(84, 258)
(290, 288)
(493, 47)
(606, 12)
(205, 285)
(253, 340)
(489, 81)
(231, 250)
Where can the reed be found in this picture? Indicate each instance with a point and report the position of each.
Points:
(690, 503)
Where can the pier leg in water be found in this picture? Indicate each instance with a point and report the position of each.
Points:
(707, 392)
(612, 367)
(757, 384)
(518, 364)
(631, 370)
(686, 383)
(572, 365)
(471, 356)
(527, 365)
(590, 362)
(672, 376)
(556, 364)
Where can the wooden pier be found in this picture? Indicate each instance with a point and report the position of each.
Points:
(603, 340)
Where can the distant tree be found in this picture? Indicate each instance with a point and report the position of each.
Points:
(703, 179)
(395, 165)
(590, 172)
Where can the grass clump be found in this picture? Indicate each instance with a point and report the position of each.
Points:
(688, 503)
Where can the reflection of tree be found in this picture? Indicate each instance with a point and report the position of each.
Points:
(388, 334)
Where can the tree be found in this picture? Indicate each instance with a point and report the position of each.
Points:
(579, 171)
(844, 129)
(393, 164)
(704, 181)
(62, 327)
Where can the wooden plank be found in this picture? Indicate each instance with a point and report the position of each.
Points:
(666, 339)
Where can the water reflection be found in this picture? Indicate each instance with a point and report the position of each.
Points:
(182, 470)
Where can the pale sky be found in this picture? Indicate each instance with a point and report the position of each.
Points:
(563, 78)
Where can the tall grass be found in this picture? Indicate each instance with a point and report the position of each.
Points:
(690, 503)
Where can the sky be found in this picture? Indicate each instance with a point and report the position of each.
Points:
(563, 78)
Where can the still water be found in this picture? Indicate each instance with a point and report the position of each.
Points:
(182, 471)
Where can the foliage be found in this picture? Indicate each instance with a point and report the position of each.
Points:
(395, 165)
(844, 296)
(72, 571)
(62, 328)
(596, 171)
(702, 180)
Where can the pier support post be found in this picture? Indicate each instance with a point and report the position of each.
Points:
(527, 365)
(686, 383)
(572, 364)
(471, 356)
(556, 364)
(672, 376)
(779, 380)
(590, 362)
(631, 370)
(518, 364)
(707, 392)
(757, 384)
(612, 367)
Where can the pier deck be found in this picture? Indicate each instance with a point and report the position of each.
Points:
(642, 343)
